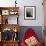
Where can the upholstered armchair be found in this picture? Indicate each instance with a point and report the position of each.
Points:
(30, 38)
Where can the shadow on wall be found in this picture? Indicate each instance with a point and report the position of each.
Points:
(37, 29)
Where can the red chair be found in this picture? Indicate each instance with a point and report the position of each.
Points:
(29, 33)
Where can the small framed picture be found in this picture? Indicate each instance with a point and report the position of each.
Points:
(29, 12)
(5, 12)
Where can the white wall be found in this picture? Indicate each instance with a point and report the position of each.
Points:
(39, 13)
(21, 4)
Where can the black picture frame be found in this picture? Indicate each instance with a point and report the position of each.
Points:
(29, 12)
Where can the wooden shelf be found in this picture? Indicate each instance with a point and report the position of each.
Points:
(4, 13)
(9, 43)
(10, 26)
(9, 10)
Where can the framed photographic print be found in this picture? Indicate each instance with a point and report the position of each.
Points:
(29, 12)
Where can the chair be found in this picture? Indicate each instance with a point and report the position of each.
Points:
(28, 36)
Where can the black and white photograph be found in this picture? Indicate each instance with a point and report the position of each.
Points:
(30, 12)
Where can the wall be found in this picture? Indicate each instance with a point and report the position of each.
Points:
(21, 4)
(39, 15)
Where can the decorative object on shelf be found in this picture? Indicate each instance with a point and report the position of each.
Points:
(6, 21)
(5, 12)
(30, 12)
(15, 37)
(15, 34)
(0, 19)
(15, 3)
(7, 34)
(13, 12)
(15, 30)
(0, 12)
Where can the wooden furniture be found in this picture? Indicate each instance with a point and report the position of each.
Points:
(44, 7)
(0, 43)
(11, 26)
(44, 37)
(10, 43)
(8, 11)
(5, 12)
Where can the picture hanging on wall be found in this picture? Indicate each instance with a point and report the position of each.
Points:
(29, 12)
